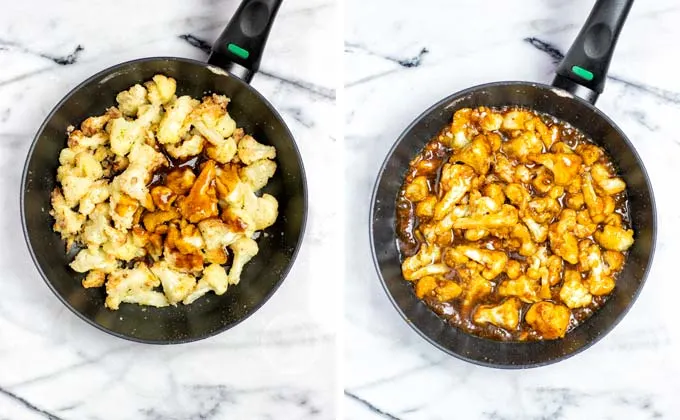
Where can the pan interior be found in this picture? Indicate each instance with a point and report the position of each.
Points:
(210, 314)
(581, 115)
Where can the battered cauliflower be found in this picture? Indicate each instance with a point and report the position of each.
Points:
(94, 259)
(244, 250)
(133, 285)
(249, 150)
(191, 147)
(214, 279)
(175, 124)
(258, 173)
(548, 319)
(505, 315)
(161, 89)
(574, 293)
(176, 285)
(130, 100)
(67, 221)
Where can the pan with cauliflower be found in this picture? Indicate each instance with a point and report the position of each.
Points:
(160, 197)
(512, 225)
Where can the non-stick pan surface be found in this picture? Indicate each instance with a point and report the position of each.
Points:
(566, 107)
(278, 246)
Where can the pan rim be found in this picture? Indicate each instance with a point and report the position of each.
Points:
(218, 72)
(451, 100)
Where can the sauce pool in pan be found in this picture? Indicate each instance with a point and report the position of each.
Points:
(512, 225)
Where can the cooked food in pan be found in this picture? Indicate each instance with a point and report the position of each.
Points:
(159, 194)
(512, 225)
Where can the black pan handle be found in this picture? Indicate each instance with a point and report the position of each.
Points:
(239, 47)
(583, 70)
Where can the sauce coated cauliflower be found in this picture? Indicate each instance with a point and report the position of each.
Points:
(158, 192)
(513, 219)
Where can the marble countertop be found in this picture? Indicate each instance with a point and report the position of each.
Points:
(280, 362)
(399, 61)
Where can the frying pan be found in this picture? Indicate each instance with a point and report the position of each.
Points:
(579, 80)
(234, 59)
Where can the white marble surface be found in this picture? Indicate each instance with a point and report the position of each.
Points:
(391, 373)
(280, 362)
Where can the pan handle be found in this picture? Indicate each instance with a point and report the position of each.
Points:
(239, 47)
(583, 70)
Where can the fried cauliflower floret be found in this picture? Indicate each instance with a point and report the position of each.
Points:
(122, 208)
(77, 140)
(424, 263)
(598, 207)
(506, 217)
(214, 279)
(124, 134)
(74, 188)
(193, 146)
(417, 190)
(562, 240)
(515, 119)
(504, 169)
(589, 153)
(180, 180)
(176, 285)
(447, 290)
(249, 150)
(94, 278)
(600, 280)
(564, 166)
(67, 221)
(476, 154)
(425, 286)
(527, 247)
(161, 89)
(518, 195)
(456, 180)
(493, 261)
(505, 315)
(257, 174)
(475, 288)
(224, 152)
(94, 259)
(264, 211)
(244, 250)
(144, 160)
(462, 129)
(130, 100)
(614, 259)
(548, 319)
(520, 148)
(217, 234)
(98, 193)
(94, 230)
(608, 183)
(491, 121)
(163, 197)
(574, 293)
(133, 285)
(524, 287)
(175, 122)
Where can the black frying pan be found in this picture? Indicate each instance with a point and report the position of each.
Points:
(238, 51)
(580, 79)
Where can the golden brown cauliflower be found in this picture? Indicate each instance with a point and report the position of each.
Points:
(244, 250)
(133, 285)
(176, 285)
(249, 150)
(548, 319)
(505, 315)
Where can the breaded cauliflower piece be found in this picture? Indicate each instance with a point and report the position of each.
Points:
(78, 141)
(176, 285)
(462, 129)
(505, 315)
(214, 279)
(564, 166)
(224, 152)
(263, 210)
(201, 203)
(94, 230)
(244, 250)
(424, 263)
(74, 188)
(417, 190)
(257, 174)
(175, 122)
(507, 217)
(600, 279)
(249, 150)
(447, 290)
(456, 180)
(193, 146)
(217, 234)
(493, 261)
(520, 148)
(122, 246)
(144, 160)
(94, 278)
(589, 153)
(67, 222)
(133, 285)
(598, 207)
(425, 286)
(548, 319)
(524, 287)
(130, 100)
(475, 288)
(562, 240)
(476, 154)
(98, 193)
(574, 293)
(161, 89)
(607, 182)
(94, 259)
(122, 208)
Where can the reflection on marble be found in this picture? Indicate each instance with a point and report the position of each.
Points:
(399, 61)
(277, 364)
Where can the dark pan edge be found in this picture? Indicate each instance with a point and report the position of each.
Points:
(451, 100)
(24, 229)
